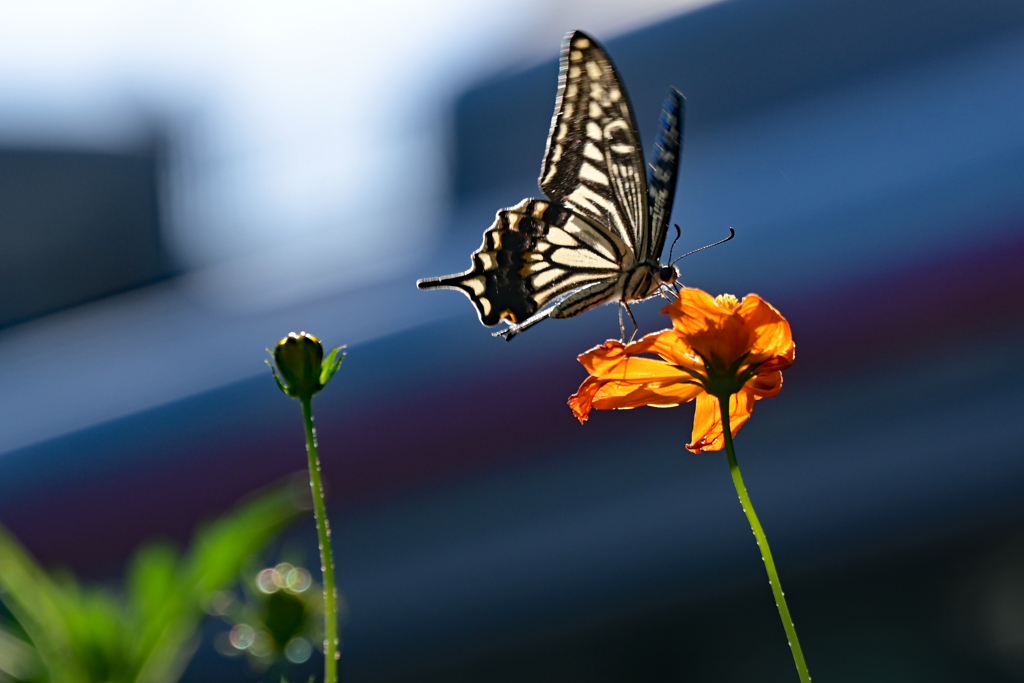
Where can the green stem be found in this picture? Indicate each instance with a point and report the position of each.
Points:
(326, 556)
(762, 542)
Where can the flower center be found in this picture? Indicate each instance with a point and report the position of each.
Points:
(721, 383)
(727, 301)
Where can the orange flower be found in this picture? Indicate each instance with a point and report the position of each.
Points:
(718, 347)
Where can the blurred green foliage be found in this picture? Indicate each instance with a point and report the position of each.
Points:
(276, 618)
(147, 631)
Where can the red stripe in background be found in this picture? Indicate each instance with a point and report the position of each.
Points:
(429, 433)
(959, 299)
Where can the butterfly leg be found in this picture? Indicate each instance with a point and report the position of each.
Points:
(568, 306)
(636, 328)
(622, 327)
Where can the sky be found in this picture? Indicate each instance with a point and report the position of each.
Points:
(287, 127)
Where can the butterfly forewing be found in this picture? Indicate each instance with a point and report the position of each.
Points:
(661, 182)
(593, 162)
(533, 254)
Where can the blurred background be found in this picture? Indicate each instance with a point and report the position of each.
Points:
(182, 184)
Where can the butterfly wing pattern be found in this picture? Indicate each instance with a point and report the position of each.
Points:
(661, 182)
(593, 242)
(533, 254)
(593, 162)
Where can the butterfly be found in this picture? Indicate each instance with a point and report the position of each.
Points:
(598, 236)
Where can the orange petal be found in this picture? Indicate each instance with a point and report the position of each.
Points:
(636, 397)
(671, 346)
(770, 332)
(601, 359)
(718, 334)
(775, 363)
(679, 393)
(766, 385)
(707, 420)
(583, 399)
(693, 311)
(603, 394)
(722, 343)
(613, 396)
(645, 370)
(728, 342)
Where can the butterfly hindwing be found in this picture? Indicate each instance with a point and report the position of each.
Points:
(533, 254)
(661, 182)
(593, 162)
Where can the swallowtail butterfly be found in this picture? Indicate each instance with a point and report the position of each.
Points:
(598, 236)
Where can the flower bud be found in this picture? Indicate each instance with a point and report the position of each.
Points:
(304, 370)
(298, 358)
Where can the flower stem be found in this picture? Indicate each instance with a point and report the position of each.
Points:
(762, 542)
(326, 556)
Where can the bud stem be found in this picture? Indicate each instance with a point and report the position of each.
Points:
(762, 542)
(326, 555)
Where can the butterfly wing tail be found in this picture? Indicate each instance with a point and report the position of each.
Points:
(495, 284)
(474, 283)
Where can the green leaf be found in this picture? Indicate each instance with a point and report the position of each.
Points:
(98, 632)
(154, 603)
(280, 384)
(83, 635)
(331, 365)
(212, 563)
(18, 659)
(219, 549)
(36, 602)
(151, 579)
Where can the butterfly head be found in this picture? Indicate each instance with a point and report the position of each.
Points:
(668, 275)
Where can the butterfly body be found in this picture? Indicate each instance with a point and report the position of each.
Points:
(598, 236)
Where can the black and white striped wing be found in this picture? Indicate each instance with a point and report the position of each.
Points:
(533, 255)
(661, 183)
(593, 162)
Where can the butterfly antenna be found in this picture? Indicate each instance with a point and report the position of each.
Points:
(678, 234)
(732, 233)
